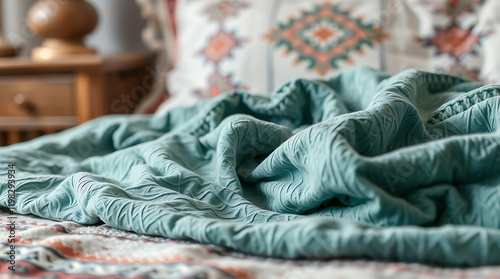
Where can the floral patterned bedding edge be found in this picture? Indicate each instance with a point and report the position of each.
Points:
(48, 249)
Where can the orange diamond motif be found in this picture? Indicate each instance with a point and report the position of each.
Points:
(325, 36)
(220, 46)
(455, 41)
(217, 84)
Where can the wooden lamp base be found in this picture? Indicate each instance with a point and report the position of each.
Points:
(63, 24)
(55, 49)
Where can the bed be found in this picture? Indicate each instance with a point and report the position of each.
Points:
(352, 165)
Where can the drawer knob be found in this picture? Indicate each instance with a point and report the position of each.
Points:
(22, 102)
(19, 100)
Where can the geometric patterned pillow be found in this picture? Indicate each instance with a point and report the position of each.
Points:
(256, 45)
(459, 37)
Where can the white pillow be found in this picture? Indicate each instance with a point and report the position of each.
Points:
(257, 45)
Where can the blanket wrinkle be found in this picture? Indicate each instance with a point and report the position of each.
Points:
(360, 165)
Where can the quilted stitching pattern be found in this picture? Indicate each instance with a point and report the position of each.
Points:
(346, 167)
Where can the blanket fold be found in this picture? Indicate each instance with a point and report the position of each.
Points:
(361, 165)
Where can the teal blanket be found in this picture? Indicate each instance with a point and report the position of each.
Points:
(362, 165)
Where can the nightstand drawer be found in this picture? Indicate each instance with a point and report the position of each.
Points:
(37, 96)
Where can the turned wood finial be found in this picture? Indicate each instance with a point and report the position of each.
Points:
(63, 24)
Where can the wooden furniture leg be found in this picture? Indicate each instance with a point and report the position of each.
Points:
(13, 137)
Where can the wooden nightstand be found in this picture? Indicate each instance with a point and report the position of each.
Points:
(39, 98)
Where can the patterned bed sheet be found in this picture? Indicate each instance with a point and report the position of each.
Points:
(49, 249)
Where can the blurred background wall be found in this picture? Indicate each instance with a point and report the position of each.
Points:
(119, 29)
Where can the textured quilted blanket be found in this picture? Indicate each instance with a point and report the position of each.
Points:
(362, 165)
